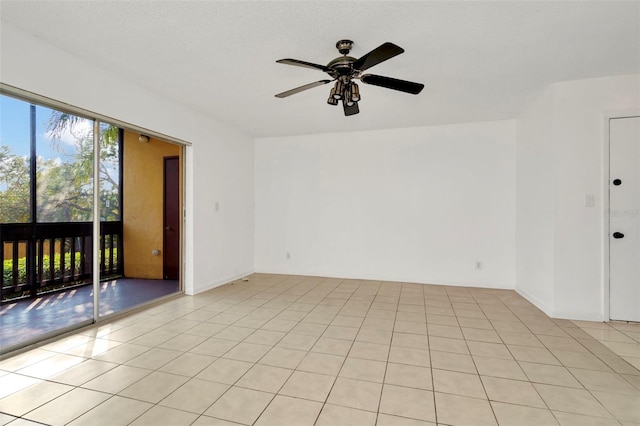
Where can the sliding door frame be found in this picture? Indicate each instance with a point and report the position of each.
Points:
(97, 118)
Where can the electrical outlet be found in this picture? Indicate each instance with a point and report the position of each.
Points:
(478, 265)
(288, 255)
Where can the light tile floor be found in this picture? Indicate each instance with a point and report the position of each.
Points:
(293, 350)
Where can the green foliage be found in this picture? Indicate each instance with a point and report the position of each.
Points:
(7, 276)
(14, 187)
(64, 184)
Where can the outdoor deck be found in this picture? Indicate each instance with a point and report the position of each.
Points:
(27, 319)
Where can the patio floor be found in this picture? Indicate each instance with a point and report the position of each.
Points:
(27, 319)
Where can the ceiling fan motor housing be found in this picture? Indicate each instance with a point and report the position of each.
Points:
(342, 65)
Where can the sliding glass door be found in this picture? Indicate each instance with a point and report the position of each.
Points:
(85, 230)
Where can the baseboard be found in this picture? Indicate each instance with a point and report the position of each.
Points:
(536, 302)
(404, 279)
(558, 314)
(578, 316)
(221, 281)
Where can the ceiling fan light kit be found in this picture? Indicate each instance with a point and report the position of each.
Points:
(345, 69)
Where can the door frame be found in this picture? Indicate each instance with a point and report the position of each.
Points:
(164, 213)
(606, 206)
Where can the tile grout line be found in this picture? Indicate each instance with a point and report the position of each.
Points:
(386, 366)
(337, 374)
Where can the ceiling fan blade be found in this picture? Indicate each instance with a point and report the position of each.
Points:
(379, 54)
(392, 83)
(298, 63)
(302, 88)
(350, 110)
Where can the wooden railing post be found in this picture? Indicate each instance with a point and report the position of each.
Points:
(30, 263)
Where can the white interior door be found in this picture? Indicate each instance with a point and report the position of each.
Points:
(624, 219)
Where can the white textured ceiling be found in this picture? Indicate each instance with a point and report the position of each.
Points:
(478, 60)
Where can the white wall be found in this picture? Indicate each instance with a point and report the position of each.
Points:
(573, 136)
(219, 245)
(223, 240)
(416, 204)
(535, 170)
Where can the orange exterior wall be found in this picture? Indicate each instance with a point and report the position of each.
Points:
(22, 250)
(142, 214)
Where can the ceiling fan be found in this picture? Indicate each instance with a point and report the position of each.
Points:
(345, 69)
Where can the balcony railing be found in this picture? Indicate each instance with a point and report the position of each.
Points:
(46, 257)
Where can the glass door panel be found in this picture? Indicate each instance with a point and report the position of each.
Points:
(47, 252)
(111, 296)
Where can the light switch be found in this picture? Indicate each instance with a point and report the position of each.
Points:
(589, 200)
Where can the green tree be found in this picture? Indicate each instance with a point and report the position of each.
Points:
(64, 185)
(69, 192)
(14, 187)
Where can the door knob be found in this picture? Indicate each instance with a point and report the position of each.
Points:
(167, 228)
(618, 235)
(617, 182)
